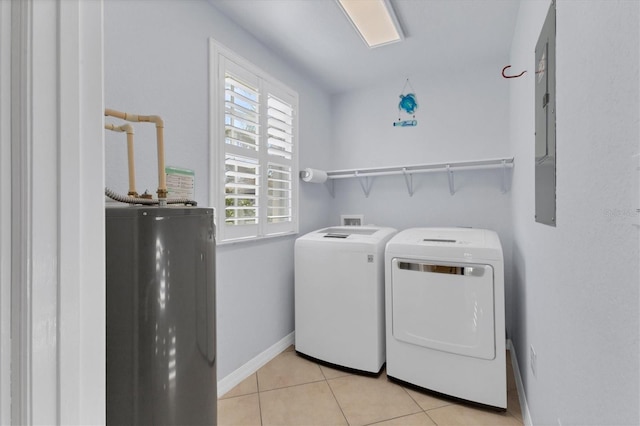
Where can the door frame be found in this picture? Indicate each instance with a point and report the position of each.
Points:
(56, 182)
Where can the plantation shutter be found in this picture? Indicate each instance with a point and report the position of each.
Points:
(258, 156)
(280, 165)
(241, 152)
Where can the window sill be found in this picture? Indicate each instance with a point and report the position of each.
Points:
(255, 239)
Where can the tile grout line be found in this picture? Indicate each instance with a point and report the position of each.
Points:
(336, 399)
(394, 418)
(423, 410)
(259, 403)
(291, 386)
(430, 418)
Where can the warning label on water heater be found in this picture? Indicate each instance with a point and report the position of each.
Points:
(180, 182)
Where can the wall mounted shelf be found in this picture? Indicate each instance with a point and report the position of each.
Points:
(366, 175)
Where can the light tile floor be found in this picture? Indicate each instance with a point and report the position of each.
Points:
(291, 390)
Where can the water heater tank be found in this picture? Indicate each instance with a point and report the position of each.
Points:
(161, 352)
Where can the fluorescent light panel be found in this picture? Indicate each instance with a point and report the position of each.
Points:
(374, 20)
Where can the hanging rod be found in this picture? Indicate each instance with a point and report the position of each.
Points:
(364, 174)
(420, 168)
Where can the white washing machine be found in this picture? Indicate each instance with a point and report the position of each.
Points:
(339, 296)
(445, 312)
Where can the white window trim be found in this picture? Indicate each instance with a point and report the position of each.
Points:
(217, 149)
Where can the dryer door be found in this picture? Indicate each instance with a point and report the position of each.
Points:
(444, 306)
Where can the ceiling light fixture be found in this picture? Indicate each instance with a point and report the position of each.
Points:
(374, 20)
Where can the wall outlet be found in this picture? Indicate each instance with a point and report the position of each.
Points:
(533, 360)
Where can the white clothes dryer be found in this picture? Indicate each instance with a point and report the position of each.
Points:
(339, 296)
(445, 312)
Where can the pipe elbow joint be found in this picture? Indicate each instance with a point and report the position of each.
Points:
(157, 120)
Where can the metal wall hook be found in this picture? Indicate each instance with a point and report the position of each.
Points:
(511, 76)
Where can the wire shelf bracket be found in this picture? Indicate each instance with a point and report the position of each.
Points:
(365, 183)
(408, 179)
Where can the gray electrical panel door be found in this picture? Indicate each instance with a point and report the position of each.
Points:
(545, 95)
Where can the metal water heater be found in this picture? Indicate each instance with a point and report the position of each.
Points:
(161, 351)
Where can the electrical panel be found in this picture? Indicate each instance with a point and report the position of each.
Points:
(545, 95)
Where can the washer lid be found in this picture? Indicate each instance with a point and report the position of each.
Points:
(344, 231)
(368, 234)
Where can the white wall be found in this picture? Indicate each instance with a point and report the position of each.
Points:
(462, 115)
(576, 285)
(156, 62)
(5, 213)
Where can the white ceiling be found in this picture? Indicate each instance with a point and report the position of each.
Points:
(316, 37)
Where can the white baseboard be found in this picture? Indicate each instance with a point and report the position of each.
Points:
(254, 364)
(526, 415)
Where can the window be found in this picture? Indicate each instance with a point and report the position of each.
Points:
(254, 162)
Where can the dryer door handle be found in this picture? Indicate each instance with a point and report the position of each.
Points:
(466, 270)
